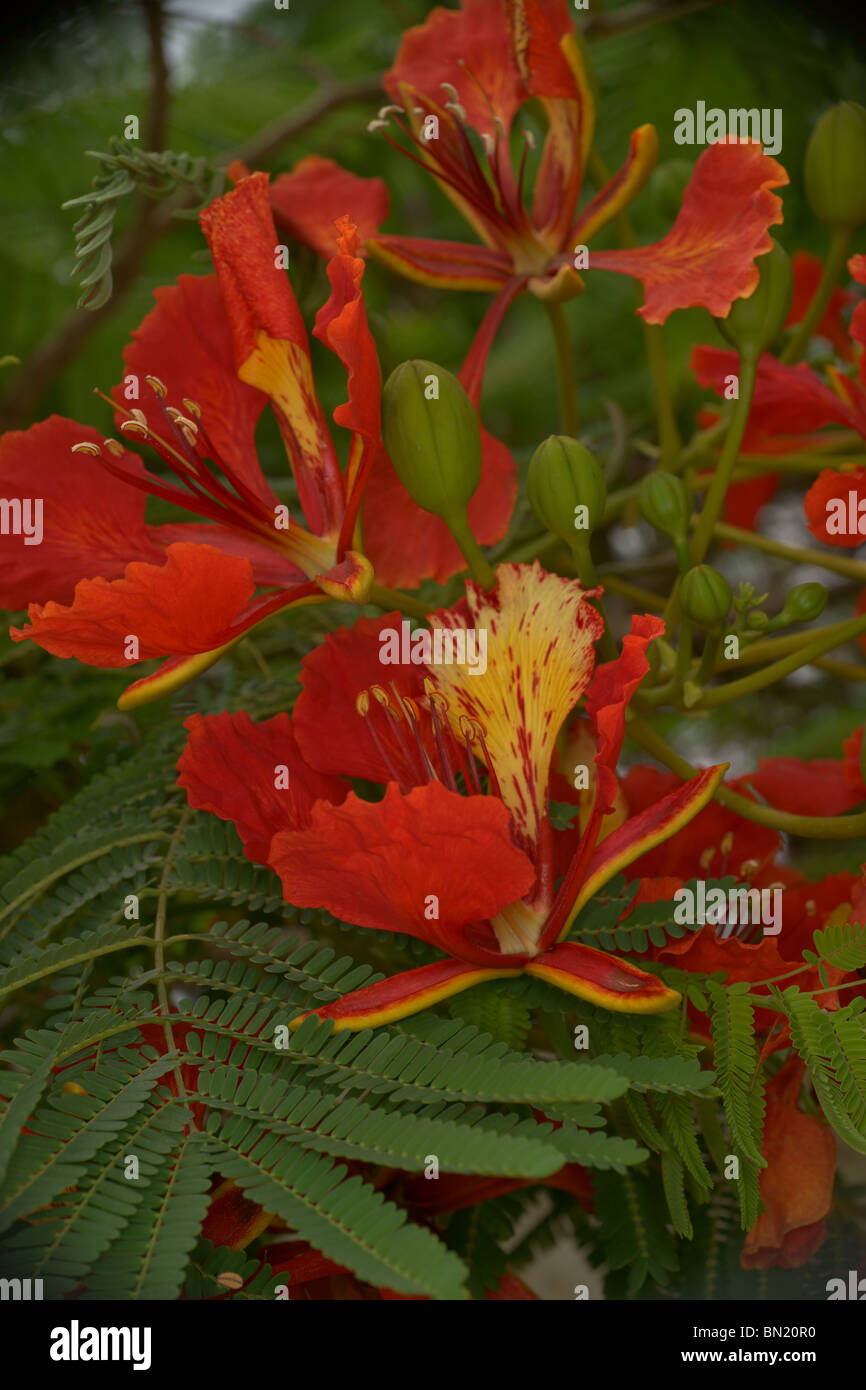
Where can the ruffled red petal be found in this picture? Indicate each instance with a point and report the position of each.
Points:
(237, 769)
(182, 606)
(429, 864)
(308, 200)
(708, 256)
(788, 401)
(92, 524)
(609, 696)
(817, 787)
(807, 277)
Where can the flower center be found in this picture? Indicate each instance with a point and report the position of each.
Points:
(419, 745)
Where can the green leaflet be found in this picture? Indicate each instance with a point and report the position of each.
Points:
(742, 1087)
(833, 1046)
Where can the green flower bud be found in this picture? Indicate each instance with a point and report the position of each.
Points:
(805, 602)
(753, 323)
(566, 488)
(705, 596)
(757, 620)
(668, 185)
(835, 167)
(431, 431)
(665, 503)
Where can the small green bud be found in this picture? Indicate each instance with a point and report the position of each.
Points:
(566, 488)
(668, 184)
(754, 323)
(431, 432)
(757, 620)
(835, 166)
(805, 602)
(665, 503)
(705, 596)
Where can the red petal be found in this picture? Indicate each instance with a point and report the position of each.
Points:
(697, 850)
(309, 199)
(817, 787)
(177, 608)
(830, 490)
(231, 766)
(787, 400)
(608, 697)
(446, 265)
(708, 256)
(186, 341)
(390, 863)
(807, 276)
(271, 567)
(744, 501)
(342, 325)
(403, 995)
(623, 188)
(648, 829)
(92, 523)
(852, 749)
(797, 1184)
(602, 979)
(270, 340)
(334, 737)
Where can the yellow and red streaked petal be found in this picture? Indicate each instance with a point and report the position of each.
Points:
(429, 864)
(254, 775)
(309, 199)
(540, 629)
(789, 401)
(571, 120)
(92, 523)
(341, 324)
(186, 342)
(626, 184)
(403, 995)
(183, 606)
(446, 265)
(708, 256)
(829, 491)
(602, 979)
(270, 340)
(808, 270)
(643, 832)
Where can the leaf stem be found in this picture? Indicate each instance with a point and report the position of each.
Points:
(566, 372)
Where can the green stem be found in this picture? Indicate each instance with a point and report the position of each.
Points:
(840, 242)
(395, 598)
(566, 371)
(810, 827)
(472, 553)
(727, 458)
(669, 435)
(851, 569)
(770, 648)
(586, 573)
(759, 680)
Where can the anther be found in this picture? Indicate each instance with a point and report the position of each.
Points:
(749, 867)
(157, 386)
(381, 695)
(489, 142)
(376, 125)
(386, 111)
(727, 842)
(362, 704)
(529, 138)
(811, 907)
(139, 415)
(87, 448)
(192, 407)
(707, 857)
(114, 446)
(134, 427)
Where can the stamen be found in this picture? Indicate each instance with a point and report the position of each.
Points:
(192, 406)
(410, 712)
(749, 867)
(376, 125)
(362, 705)
(386, 111)
(158, 386)
(135, 427)
(87, 448)
(114, 446)
(467, 729)
(707, 857)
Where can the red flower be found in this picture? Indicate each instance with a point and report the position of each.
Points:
(491, 58)
(460, 851)
(792, 406)
(797, 1184)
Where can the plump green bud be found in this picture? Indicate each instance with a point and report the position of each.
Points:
(665, 503)
(805, 602)
(668, 184)
(431, 431)
(705, 596)
(757, 620)
(754, 323)
(835, 167)
(566, 488)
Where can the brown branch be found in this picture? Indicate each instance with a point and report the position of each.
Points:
(640, 16)
(153, 220)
